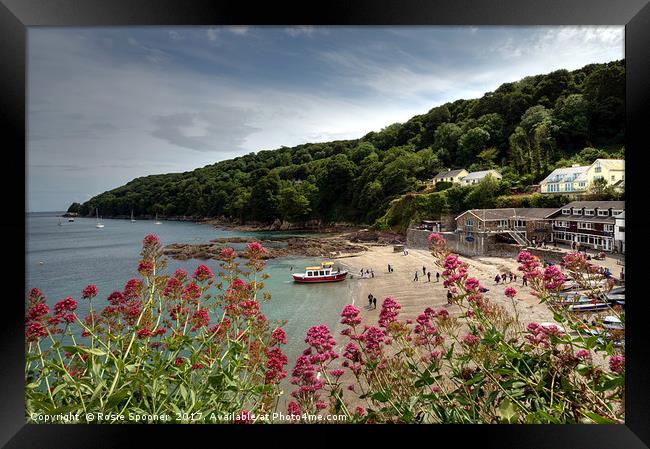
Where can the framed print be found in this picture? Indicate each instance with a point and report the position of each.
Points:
(364, 214)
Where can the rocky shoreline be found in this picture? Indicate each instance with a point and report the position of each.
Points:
(337, 246)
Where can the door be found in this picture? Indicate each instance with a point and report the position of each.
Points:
(607, 244)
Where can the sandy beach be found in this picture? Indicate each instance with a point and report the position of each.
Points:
(415, 296)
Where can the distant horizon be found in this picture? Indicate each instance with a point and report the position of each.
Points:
(108, 105)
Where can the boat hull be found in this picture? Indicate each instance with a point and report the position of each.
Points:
(302, 279)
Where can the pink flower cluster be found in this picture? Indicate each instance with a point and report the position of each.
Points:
(132, 289)
(151, 240)
(350, 315)
(470, 340)
(529, 265)
(617, 363)
(510, 292)
(279, 336)
(436, 240)
(553, 278)
(389, 312)
(276, 360)
(426, 333)
(203, 273)
(539, 335)
(89, 292)
(200, 318)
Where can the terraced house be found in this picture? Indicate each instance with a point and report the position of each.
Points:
(589, 223)
(578, 178)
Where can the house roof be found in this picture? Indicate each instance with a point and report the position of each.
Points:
(481, 174)
(612, 164)
(523, 213)
(616, 205)
(567, 174)
(449, 173)
(594, 219)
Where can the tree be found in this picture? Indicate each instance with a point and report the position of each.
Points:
(482, 195)
(488, 156)
(74, 208)
(470, 144)
(293, 205)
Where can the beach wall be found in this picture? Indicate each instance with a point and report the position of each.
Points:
(480, 246)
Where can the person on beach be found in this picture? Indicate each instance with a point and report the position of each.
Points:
(503, 278)
(515, 277)
(416, 277)
(424, 271)
(449, 296)
(370, 300)
(389, 268)
(524, 282)
(437, 277)
(361, 272)
(511, 276)
(374, 302)
(429, 276)
(372, 272)
(497, 279)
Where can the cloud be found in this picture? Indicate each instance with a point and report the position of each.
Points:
(212, 34)
(219, 129)
(240, 30)
(303, 30)
(175, 35)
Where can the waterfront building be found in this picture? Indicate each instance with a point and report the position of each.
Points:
(589, 223)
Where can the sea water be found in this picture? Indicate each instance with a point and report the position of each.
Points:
(62, 260)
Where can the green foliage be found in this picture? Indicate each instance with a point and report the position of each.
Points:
(74, 208)
(527, 128)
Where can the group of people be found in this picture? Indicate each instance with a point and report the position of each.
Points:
(508, 277)
(427, 274)
(372, 302)
(368, 273)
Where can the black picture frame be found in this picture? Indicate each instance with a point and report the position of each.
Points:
(17, 15)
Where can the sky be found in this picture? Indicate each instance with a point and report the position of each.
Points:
(107, 105)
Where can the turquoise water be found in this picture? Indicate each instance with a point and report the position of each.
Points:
(76, 254)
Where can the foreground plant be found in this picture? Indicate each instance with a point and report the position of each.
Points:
(481, 366)
(175, 345)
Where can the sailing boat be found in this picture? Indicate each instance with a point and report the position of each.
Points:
(99, 224)
(132, 219)
(157, 221)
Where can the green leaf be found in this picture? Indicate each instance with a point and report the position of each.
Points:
(507, 411)
(379, 397)
(599, 419)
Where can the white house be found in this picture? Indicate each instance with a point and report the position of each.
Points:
(477, 176)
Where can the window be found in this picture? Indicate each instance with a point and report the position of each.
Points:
(589, 212)
(585, 225)
(616, 212)
(603, 213)
(520, 223)
(621, 229)
(503, 223)
(613, 177)
(597, 169)
(562, 224)
(598, 177)
(577, 211)
(309, 273)
(583, 184)
(468, 222)
(568, 187)
(566, 211)
(322, 273)
(609, 228)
